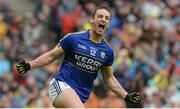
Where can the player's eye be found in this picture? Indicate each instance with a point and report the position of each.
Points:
(100, 16)
(107, 18)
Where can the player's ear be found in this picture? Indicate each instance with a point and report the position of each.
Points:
(91, 20)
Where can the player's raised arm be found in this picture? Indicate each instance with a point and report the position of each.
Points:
(47, 58)
(115, 86)
(42, 60)
(111, 81)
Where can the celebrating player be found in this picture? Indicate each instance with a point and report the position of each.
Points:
(85, 54)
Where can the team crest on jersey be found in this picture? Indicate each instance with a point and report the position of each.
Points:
(102, 54)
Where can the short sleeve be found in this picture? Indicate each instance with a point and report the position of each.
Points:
(110, 59)
(66, 43)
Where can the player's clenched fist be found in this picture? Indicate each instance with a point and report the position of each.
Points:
(22, 67)
(133, 98)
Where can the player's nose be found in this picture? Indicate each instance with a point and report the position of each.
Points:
(102, 21)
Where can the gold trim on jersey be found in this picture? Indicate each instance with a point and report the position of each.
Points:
(106, 68)
(80, 32)
(107, 43)
(90, 38)
(58, 46)
(61, 49)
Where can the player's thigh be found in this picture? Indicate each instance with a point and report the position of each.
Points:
(68, 99)
(62, 95)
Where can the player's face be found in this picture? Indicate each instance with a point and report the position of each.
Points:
(100, 21)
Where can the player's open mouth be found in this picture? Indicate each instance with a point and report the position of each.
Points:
(101, 27)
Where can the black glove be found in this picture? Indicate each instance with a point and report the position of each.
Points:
(133, 98)
(22, 67)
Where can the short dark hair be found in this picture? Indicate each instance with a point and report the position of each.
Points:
(101, 7)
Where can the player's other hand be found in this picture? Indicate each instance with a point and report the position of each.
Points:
(133, 98)
(22, 66)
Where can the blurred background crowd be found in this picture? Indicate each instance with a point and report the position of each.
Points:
(145, 36)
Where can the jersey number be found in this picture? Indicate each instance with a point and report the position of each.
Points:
(93, 53)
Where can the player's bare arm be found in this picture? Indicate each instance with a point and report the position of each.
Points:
(47, 58)
(42, 60)
(114, 85)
